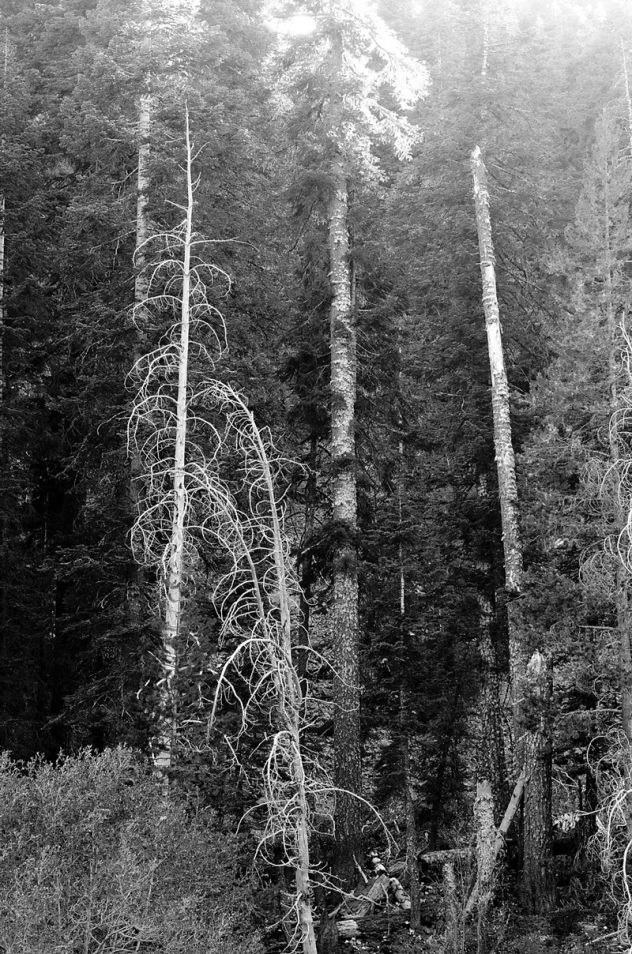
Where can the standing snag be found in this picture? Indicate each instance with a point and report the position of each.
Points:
(531, 746)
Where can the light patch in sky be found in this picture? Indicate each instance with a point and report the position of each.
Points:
(301, 24)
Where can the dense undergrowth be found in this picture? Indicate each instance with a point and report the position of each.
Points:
(93, 858)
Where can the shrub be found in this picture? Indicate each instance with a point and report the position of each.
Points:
(95, 860)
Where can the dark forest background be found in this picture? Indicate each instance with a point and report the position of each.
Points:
(543, 89)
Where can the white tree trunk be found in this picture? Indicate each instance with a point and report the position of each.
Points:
(616, 502)
(505, 460)
(290, 705)
(628, 98)
(141, 280)
(2, 294)
(532, 750)
(165, 741)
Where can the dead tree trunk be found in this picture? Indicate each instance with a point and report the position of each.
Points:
(141, 281)
(618, 342)
(135, 575)
(531, 749)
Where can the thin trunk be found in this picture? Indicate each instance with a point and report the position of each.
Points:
(347, 767)
(628, 99)
(454, 936)
(532, 750)
(621, 575)
(165, 742)
(485, 57)
(142, 321)
(4, 597)
(305, 570)
(2, 295)
(141, 280)
(289, 694)
(412, 842)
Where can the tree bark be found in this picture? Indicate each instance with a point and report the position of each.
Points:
(2, 295)
(490, 760)
(501, 834)
(347, 768)
(537, 878)
(141, 323)
(141, 280)
(453, 919)
(410, 816)
(628, 98)
(621, 573)
(4, 597)
(165, 741)
(617, 457)
(530, 744)
(486, 857)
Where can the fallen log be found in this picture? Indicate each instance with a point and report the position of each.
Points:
(376, 892)
(348, 928)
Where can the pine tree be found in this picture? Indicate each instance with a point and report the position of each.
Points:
(341, 115)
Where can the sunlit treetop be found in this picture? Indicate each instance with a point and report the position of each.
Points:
(349, 73)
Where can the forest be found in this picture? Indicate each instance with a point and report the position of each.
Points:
(315, 476)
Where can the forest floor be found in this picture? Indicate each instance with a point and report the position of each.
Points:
(572, 930)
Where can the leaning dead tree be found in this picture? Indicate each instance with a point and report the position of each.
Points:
(529, 673)
(185, 429)
(258, 600)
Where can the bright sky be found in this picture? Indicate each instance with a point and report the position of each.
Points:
(301, 24)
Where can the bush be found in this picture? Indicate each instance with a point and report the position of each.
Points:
(95, 860)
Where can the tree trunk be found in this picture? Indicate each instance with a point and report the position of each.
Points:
(305, 569)
(141, 280)
(165, 741)
(617, 455)
(2, 295)
(4, 597)
(628, 98)
(529, 742)
(454, 937)
(347, 768)
(412, 849)
(141, 323)
(486, 857)
(501, 834)
(537, 877)
(490, 759)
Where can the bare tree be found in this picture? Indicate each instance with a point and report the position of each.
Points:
(182, 426)
(159, 426)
